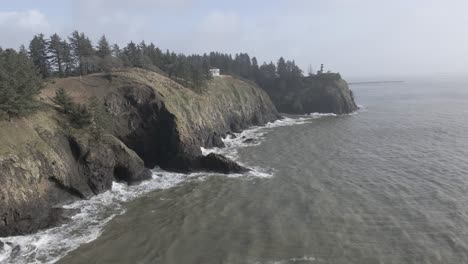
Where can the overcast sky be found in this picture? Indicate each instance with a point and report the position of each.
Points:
(354, 37)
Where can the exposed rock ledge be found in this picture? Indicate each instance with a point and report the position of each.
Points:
(324, 93)
(44, 164)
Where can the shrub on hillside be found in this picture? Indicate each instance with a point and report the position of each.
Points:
(79, 115)
(63, 100)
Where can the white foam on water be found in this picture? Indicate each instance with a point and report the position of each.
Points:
(48, 246)
(303, 259)
(253, 137)
(361, 108)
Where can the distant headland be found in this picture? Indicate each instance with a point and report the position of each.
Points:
(375, 82)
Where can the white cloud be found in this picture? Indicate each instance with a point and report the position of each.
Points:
(123, 20)
(20, 26)
(105, 6)
(28, 20)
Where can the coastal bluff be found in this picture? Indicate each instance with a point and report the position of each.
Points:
(321, 93)
(46, 163)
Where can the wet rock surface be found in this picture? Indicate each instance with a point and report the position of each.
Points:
(219, 163)
(249, 141)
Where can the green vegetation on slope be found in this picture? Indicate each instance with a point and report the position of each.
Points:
(19, 84)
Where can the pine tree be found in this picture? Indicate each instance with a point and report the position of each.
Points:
(282, 68)
(67, 58)
(75, 48)
(206, 75)
(181, 68)
(103, 47)
(63, 100)
(108, 57)
(80, 116)
(116, 52)
(131, 52)
(244, 64)
(143, 59)
(56, 48)
(20, 82)
(38, 53)
(91, 61)
(23, 50)
(82, 51)
(255, 70)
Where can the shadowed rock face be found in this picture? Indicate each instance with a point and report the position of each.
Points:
(169, 123)
(45, 164)
(321, 94)
(45, 167)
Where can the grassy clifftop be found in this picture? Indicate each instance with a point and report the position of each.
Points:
(226, 103)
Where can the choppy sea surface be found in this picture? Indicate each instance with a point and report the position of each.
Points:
(388, 184)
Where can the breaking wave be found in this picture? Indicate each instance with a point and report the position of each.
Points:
(48, 246)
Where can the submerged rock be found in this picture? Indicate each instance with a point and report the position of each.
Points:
(249, 140)
(219, 163)
(231, 134)
(2, 245)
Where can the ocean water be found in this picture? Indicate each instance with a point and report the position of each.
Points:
(388, 184)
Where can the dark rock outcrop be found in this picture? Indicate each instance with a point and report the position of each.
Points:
(219, 163)
(249, 140)
(324, 93)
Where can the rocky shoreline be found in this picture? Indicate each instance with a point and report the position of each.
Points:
(155, 122)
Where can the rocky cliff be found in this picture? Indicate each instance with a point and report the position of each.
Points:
(324, 93)
(45, 163)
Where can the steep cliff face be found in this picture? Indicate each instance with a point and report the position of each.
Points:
(326, 93)
(44, 163)
(166, 123)
(178, 121)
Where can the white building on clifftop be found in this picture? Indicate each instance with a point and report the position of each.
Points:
(214, 72)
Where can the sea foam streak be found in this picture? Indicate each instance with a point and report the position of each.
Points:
(254, 136)
(50, 245)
